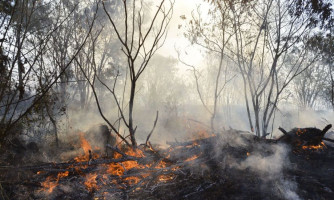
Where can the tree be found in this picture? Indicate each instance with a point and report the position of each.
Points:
(264, 35)
(309, 85)
(139, 40)
(25, 44)
(214, 35)
(324, 45)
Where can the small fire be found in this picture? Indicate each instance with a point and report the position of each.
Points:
(321, 146)
(165, 178)
(62, 175)
(115, 169)
(49, 185)
(194, 157)
(87, 150)
(301, 132)
(91, 183)
(248, 154)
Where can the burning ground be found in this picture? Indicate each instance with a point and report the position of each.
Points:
(228, 165)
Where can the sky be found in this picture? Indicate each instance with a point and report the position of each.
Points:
(176, 40)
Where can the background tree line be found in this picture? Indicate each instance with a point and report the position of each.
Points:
(63, 56)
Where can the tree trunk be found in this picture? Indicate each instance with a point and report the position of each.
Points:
(332, 82)
(131, 104)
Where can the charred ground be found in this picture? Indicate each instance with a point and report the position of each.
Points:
(229, 165)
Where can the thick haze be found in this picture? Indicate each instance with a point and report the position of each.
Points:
(209, 69)
(168, 86)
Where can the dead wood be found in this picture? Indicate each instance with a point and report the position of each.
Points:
(324, 131)
(283, 131)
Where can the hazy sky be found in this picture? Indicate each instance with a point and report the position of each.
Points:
(175, 38)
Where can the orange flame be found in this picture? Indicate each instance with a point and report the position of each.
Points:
(49, 185)
(87, 150)
(62, 175)
(321, 146)
(115, 169)
(194, 157)
(165, 178)
(91, 182)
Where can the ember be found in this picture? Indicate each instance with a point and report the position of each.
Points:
(306, 138)
(321, 146)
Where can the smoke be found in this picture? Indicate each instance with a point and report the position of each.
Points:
(267, 162)
(270, 166)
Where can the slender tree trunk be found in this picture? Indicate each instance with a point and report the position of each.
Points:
(19, 63)
(131, 104)
(20, 73)
(332, 82)
(53, 121)
(82, 95)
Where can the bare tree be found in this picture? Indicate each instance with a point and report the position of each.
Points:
(214, 36)
(139, 40)
(262, 54)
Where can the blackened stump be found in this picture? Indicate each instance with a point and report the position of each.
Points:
(299, 137)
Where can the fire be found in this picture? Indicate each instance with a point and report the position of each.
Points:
(110, 170)
(49, 185)
(194, 157)
(248, 154)
(87, 151)
(321, 146)
(165, 178)
(62, 175)
(301, 132)
(91, 182)
(162, 164)
(115, 169)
